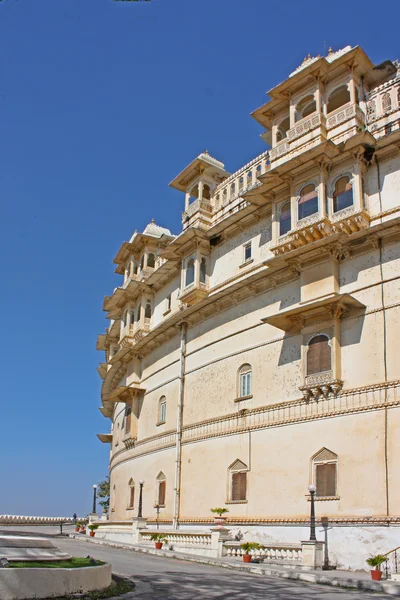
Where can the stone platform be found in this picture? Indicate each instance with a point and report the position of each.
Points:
(30, 549)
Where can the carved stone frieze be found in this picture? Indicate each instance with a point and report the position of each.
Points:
(339, 251)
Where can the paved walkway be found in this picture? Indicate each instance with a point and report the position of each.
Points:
(358, 580)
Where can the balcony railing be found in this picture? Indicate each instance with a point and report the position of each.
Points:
(133, 333)
(277, 553)
(345, 113)
(305, 125)
(195, 207)
(243, 179)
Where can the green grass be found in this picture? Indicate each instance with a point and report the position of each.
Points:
(73, 563)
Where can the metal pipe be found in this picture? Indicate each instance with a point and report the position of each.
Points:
(178, 459)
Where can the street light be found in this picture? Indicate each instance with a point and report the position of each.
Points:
(140, 507)
(312, 489)
(94, 499)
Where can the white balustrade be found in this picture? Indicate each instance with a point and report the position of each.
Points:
(281, 553)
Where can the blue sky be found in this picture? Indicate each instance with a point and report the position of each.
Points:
(102, 103)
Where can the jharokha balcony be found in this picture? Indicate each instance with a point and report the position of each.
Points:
(193, 294)
(315, 228)
(133, 333)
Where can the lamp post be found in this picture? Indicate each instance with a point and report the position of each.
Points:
(140, 507)
(157, 507)
(312, 489)
(94, 499)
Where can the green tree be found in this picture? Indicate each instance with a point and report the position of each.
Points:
(103, 491)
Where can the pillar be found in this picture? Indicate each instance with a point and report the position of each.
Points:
(219, 535)
(312, 554)
(200, 196)
(275, 223)
(357, 184)
(352, 89)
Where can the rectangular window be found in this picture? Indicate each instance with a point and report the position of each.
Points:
(247, 252)
(128, 416)
(168, 302)
(245, 384)
(239, 485)
(325, 479)
(163, 412)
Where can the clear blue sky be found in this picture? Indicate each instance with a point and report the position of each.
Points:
(102, 103)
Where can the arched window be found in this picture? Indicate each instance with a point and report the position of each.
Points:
(249, 178)
(203, 270)
(151, 260)
(338, 98)
(128, 418)
(147, 311)
(161, 489)
(233, 189)
(124, 320)
(189, 278)
(245, 381)
(162, 409)
(131, 497)
(308, 201)
(217, 201)
(238, 481)
(305, 107)
(318, 355)
(135, 268)
(241, 183)
(324, 467)
(206, 192)
(285, 219)
(138, 311)
(283, 128)
(131, 317)
(386, 102)
(224, 195)
(343, 194)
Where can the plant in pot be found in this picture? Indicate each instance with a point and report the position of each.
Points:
(77, 526)
(219, 519)
(376, 561)
(82, 527)
(93, 528)
(247, 546)
(158, 539)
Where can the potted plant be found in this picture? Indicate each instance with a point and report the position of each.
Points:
(82, 528)
(376, 561)
(219, 520)
(159, 539)
(247, 546)
(77, 526)
(93, 528)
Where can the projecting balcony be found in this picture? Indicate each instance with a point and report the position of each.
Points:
(315, 228)
(192, 294)
(134, 333)
(345, 113)
(198, 214)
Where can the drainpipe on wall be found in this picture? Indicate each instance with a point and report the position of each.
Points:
(178, 460)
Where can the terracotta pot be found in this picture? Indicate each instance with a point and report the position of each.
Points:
(77, 529)
(376, 575)
(219, 520)
(92, 533)
(247, 558)
(159, 545)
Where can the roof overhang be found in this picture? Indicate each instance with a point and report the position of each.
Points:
(204, 163)
(301, 315)
(122, 295)
(124, 393)
(183, 243)
(102, 343)
(106, 438)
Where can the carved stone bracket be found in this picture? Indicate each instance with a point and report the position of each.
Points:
(339, 251)
(320, 385)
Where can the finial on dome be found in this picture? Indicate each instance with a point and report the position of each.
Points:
(206, 152)
(152, 220)
(309, 56)
(330, 50)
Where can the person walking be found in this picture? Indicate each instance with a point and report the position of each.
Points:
(74, 516)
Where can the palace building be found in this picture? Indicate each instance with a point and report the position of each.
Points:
(254, 353)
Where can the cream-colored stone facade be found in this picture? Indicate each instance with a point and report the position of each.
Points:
(256, 352)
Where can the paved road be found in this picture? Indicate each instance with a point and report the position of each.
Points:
(169, 579)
